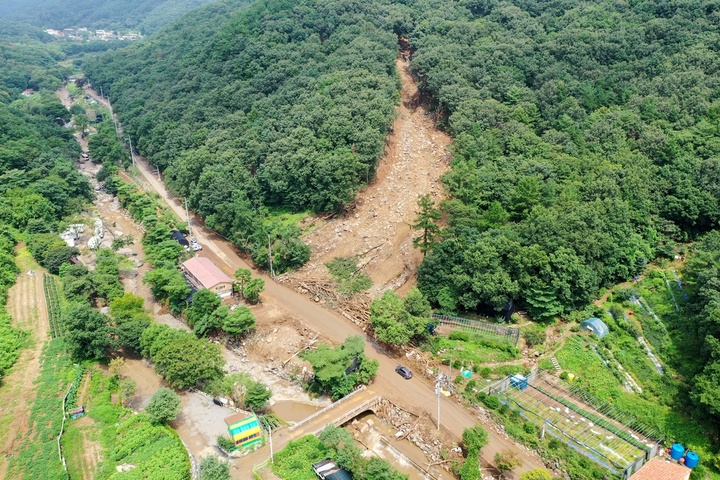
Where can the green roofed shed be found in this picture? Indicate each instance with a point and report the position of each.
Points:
(596, 326)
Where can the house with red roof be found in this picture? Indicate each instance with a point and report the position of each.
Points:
(662, 469)
(203, 273)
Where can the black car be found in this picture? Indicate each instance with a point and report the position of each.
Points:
(404, 372)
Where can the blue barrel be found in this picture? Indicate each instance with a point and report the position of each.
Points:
(677, 451)
(691, 460)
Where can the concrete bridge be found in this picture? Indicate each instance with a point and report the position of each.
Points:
(337, 413)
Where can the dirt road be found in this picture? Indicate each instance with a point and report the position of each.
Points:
(26, 304)
(416, 394)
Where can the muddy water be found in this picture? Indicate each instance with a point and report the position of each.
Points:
(291, 411)
(147, 382)
(378, 439)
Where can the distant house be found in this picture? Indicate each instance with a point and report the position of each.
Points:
(29, 92)
(203, 273)
(659, 469)
(596, 326)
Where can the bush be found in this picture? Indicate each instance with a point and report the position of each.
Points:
(163, 406)
(536, 474)
(474, 439)
(462, 336)
(212, 468)
(506, 460)
(490, 401)
(535, 336)
(226, 443)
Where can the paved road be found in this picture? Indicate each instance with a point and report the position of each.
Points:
(416, 394)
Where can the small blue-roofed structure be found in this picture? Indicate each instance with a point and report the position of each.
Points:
(519, 382)
(596, 326)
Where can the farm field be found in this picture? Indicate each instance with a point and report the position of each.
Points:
(606, 441)
(640, 365)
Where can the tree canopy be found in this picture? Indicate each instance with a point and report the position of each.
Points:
(584, 145)
(163, 406)
(339, 370)
(275, 105)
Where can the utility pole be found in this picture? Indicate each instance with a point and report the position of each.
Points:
(438, 400)
(272, 458)
(437, 394)
(187, 215)
(132, 157)
(157, 172)
(272, 272)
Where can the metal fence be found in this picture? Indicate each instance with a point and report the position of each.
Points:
(597, 430)
(478, 327)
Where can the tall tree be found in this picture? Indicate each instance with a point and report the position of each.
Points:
(426, 221)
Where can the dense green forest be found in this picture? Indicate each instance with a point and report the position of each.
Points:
(585, 131)
(273, 106)
(585, 145)
(144, 15)
(703, 276)
(28, 59)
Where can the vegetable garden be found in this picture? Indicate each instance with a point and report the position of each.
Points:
(599, 436)
(492, 331)
(52, 301)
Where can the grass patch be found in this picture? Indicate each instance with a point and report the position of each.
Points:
(347, 276)
(296, 459)
(12, 339)
(464, 349)
(284, 217)
(73, 446)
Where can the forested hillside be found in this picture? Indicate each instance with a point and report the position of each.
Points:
(586, 132)
(145, 15)
(586, 144)
(27, 60)
(277, 105)
(38, 185)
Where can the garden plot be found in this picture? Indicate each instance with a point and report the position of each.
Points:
(601, 438)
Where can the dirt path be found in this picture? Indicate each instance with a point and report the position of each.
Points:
(26, 305)
(415, 158)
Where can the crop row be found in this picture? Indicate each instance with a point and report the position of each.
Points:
(71, 401)
(597, 420)
(52, 300)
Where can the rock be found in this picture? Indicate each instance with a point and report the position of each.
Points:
(399, 434)
(370, 422)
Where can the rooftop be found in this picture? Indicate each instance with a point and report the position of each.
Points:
(660, 469)
(206, 272)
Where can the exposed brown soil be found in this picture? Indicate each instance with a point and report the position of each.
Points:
(378, 228)
(26, 305)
